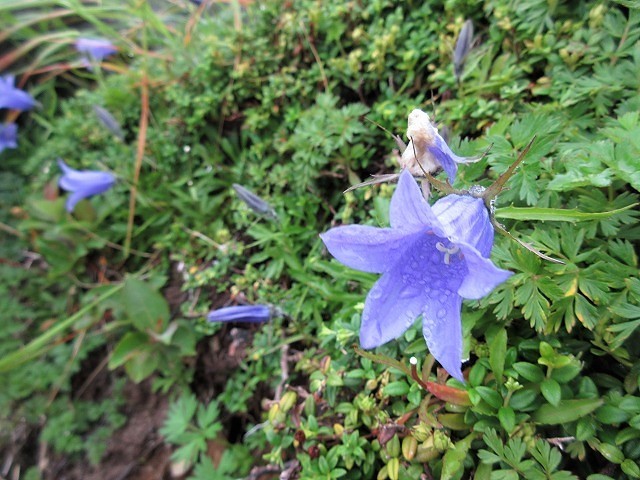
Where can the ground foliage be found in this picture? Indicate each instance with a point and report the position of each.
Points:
(273, 96)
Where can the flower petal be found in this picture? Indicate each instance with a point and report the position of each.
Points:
(98, 48)
(409, 210)
(465, 219)
(8, 136)
(483, 275)
(442, 330)
(74, 198)
(12, 97)
(419, 278)
(445, 157)
(365, 248)
(389, 310)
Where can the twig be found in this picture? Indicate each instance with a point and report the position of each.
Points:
(284, 367)
(142, 141)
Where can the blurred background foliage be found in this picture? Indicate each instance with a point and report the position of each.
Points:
(275, 96)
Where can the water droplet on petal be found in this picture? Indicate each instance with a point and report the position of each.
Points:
(375, 293)
(406, 293)
(441, 313)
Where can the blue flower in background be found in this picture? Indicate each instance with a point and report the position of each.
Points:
(83, 183)
(95, 48)
(430, 259)
(241, 313)
(428, 148)
(8, 136)
(12, 97)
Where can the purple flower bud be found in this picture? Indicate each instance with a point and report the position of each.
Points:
(108, 121)
(463, 46)
(96, 48)
(254, 202)
(8, 136)
(430, 259)
(83, 183)
(241, 313)
(12, 97)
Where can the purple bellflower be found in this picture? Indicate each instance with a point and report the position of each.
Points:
(241, 313)
(428, 149)
(12, 97)
(83, 183)
(95, 48)
(430, 259)
(8, 136)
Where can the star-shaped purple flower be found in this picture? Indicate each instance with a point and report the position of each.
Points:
(428, 149)
(430, 259)
(8, 136)
(12, 97)
(96, 48)
(83, 183)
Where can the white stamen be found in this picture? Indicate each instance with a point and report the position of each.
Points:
(447, 251)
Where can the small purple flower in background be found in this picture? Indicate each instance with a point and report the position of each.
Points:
(8, 136)
(463, 47)
(95, 48)
(241, 313)
(254, 202)
(427, 148)
(12, 97)
(83, 183)
(108, 121)
(430, 259)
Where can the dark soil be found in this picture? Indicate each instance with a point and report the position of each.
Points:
(134, 452)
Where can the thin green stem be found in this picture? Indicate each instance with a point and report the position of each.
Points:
(36, 346)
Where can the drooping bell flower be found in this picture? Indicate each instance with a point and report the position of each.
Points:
(428, 149)
(12, 97)
(8, 136)
(241, 313)
(95, 48)
(83, 183)
(430, 259)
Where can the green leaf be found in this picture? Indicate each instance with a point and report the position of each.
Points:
(395, 389)
(566, 411)
(528, 371)
(555, 214)
(507, 418)
(490, 396)
(142, 364)
(128, 346)
(145, 307)
(551, 391)
(497, 353)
